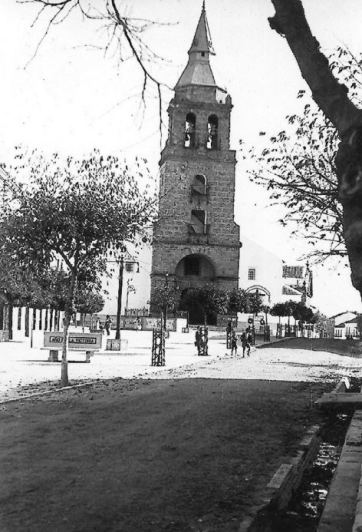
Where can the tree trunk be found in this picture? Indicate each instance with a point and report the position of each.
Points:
(10, 320)
(27, 324)
(69, 310)
(332, 98)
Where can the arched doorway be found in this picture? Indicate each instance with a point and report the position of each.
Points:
(194, 271)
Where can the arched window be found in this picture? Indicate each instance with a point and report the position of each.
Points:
(199, 184)
(212, 127)
(190, 126)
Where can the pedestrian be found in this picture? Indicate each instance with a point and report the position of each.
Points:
(107, 324)
(249, 341)
(198, 339)
(244, 343)
(234, 343)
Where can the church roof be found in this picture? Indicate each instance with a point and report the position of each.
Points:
(198, 70)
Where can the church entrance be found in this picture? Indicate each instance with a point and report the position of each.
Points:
(195, 270)
(195, 310)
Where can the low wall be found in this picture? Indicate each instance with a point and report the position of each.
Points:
(283, 484)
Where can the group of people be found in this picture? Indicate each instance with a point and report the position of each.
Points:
(246, 340)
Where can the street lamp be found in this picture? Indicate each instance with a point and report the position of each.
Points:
(121, 263)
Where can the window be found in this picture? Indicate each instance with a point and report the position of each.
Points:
(129, 266)
(192, 266)
(190, 126)
(198, 221)
(212, 127)
(199, 185)
(251, 274)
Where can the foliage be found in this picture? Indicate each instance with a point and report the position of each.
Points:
(73, 211)
(238, 301)
(297, 309)
(166, 297)
(89, 302)
(297, 167)
(212, 300)
(255, 303)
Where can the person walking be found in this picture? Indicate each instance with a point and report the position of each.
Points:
(198, 340)
(107, 324)
(234, 343)
(245, 344)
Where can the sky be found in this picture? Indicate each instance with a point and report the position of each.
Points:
(70, 96)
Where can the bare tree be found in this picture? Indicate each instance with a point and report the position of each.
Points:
(333, 99)
(124, 34)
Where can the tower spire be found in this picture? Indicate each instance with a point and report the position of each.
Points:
(198, 70)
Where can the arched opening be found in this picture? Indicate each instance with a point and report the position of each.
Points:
(194, 271)
(261, 291)
(212, 133)
(190, 127)
(195, 267)
(199, 184)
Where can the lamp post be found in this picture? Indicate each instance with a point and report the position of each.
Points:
(121, 262)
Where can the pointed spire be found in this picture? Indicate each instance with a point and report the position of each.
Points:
(198, 70)
(202, 38)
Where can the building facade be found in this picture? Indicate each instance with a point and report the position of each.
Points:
(264, 272)
(196, 240)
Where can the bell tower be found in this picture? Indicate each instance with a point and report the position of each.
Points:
(195, 239)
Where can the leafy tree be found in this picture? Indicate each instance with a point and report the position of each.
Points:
(302, 313)
(212, 300)
(255, 303)
(164, 298)
(238, 301)
(74, 211)
(280, 310)
(333, 98)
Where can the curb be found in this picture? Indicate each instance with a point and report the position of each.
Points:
(283, 484)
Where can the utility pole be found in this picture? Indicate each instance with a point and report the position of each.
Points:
(119, 300)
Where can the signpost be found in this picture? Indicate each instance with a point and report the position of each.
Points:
(87, 342)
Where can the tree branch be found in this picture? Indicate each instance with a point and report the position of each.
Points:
(328, 93)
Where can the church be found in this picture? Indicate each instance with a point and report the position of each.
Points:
(196, 240)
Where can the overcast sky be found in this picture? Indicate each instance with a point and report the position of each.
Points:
(70, 97)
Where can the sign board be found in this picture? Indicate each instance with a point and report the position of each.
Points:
(149, 323)
(76, 341)
(224, 319)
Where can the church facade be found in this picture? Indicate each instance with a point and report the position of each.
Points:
(196, 240)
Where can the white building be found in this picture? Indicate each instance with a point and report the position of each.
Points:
(264, 272)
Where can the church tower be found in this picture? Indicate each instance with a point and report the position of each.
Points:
(196, 240)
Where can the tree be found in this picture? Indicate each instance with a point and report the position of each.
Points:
(333, 99)
(211, 299)
(279, 309)
(238, 301)
(255, 303)
(297, 167)
(124, 34)
(165, 298)
(75, 211)
(298, 170)
(302, 313)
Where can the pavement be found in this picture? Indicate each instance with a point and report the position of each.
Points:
(24, 370)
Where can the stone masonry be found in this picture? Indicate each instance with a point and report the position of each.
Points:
(197, 181)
